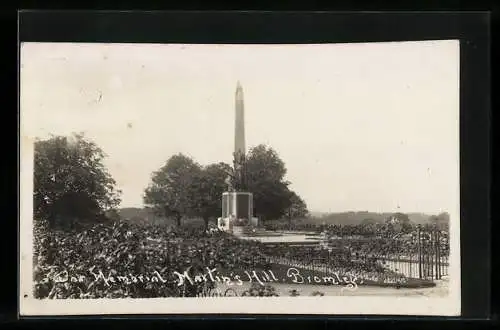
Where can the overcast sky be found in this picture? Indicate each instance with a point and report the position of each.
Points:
(368, 127)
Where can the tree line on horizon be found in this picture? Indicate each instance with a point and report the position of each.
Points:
(72, 185)
(366, 217)
(347, 218)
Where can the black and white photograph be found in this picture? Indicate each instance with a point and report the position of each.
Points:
(234, 179)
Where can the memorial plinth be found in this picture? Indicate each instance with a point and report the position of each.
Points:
(237, 204)
(237, 212)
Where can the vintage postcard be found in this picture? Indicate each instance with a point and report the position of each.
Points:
(261, 179)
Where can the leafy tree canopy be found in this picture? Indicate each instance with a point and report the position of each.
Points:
(266, 180)
(297, 208)
(71, 182)
(173, 188)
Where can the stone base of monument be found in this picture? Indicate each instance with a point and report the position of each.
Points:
(237, 212)
(238, 230)
(237, 227)
(237, 205)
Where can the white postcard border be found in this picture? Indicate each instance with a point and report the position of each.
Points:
(357, 305)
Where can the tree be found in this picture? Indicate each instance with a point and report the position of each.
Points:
(400, 222)
(174, 188)
(113, 215)
(433, 219)
(211, 185)
(369, 221)
(266, 180)
(297, 208)
(441, 220)
(444, 217)
(71, 182)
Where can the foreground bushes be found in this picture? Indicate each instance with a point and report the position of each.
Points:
(124, 260)
(67, 264)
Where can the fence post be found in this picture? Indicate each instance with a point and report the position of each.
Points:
(438, 250)
(328, 273)
(419, 253)
(428, 255)
(436, 253)
(431, 255)
(397, 264)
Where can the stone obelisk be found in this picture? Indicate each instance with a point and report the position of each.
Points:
(237, 203)
(239, 140)
(239, 127)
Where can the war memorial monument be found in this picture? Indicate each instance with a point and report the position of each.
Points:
(237, 202)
